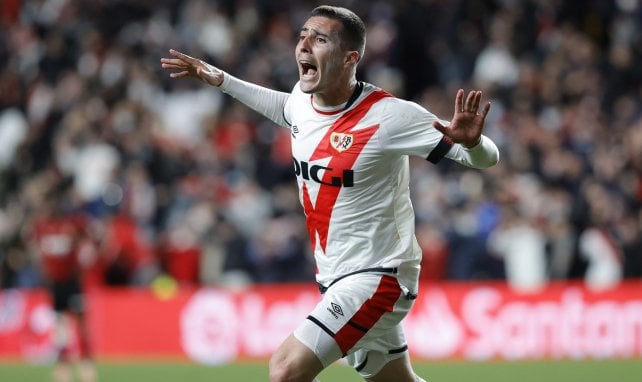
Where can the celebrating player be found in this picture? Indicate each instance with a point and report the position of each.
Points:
(351, 142)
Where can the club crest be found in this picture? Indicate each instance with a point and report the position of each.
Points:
(341, 141)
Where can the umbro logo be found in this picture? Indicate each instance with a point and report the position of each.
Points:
(336, 310)
(294, 130)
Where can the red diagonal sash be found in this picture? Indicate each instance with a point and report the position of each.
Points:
(318, 215)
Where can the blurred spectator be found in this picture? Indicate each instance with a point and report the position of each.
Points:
(598, 243)
(185, 244)
(603, 257)
(467, 258)
(628, 232)
(17, 269)
(13, 130)
(522, 247)
(126, 252)
(434, 248)
(180, 256)
(278, 252)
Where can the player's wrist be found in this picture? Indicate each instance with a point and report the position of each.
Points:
(473, 144)
(222, 78)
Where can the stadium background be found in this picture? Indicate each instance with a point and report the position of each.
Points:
(186, 188)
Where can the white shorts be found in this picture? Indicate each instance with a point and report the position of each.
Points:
(358, 318)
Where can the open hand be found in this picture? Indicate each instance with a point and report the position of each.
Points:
(468, 122)
(186, 66)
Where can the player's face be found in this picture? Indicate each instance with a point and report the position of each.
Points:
(319, 55)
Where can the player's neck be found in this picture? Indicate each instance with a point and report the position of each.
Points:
(336, 96)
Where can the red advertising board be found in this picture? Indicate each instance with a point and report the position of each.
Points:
(449, 320)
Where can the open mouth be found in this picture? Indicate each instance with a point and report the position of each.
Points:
(308, 70)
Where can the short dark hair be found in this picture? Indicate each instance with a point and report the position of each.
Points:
(353, 34)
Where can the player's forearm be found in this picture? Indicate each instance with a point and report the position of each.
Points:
(484, 155)
(266, 101)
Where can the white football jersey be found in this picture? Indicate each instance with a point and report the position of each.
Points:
(351, 165)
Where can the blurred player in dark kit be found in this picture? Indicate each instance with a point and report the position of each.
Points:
(65, 249)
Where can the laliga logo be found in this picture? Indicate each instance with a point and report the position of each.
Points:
(208, 327)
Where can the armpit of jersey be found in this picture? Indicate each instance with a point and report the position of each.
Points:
(440, 150)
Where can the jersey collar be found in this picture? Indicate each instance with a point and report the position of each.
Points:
(338, 109)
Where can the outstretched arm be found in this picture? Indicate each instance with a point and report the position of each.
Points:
(474, 149)
(266, 101)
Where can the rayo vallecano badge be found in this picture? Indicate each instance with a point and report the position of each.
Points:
(341, 141)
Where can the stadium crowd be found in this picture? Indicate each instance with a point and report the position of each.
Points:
(174, 178)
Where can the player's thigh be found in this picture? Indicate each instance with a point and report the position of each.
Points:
(293, 361)
(397, 370)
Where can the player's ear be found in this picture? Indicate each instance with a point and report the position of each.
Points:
(352, 57)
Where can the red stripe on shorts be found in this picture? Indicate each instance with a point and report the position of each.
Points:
(382, 301)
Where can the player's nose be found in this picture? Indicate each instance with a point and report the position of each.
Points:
(304, 44)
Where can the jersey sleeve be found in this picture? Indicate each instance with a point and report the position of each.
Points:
(268, 102)
(407, 129)
(484, 155)
(289, 106)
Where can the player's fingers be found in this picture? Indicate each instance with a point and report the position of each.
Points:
(477, 101)
(459, 101)
(172, 61)
(183, 56)
(470, 101)
(179, 74)
(172, 66)
(485, 110)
